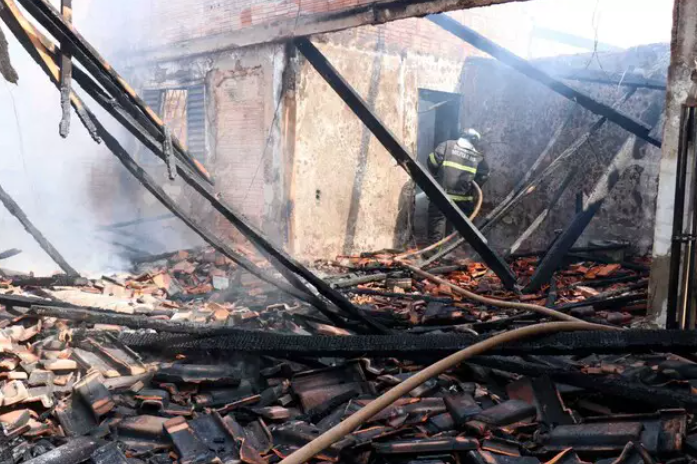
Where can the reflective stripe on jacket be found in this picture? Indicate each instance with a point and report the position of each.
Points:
(455, 164)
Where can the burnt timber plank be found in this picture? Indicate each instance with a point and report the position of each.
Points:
(45, 245)
(66, 72)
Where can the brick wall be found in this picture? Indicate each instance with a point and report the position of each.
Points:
(180, 20)
(174, 21)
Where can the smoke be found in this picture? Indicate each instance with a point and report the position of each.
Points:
(71, 187)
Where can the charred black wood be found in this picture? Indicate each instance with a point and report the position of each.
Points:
(135, 222)
(581, 343)
(605, 260)
(107, 76)
(96, 316)
(405, 296)
(11, 15)
(618, 388)
(358, 280)
(77, 450)
(552, 295)
(417, 172)
(607, 297)
(6, 70)
(148, 182)
(623, 120)
(284, 263)
(619, 278)
(45, 245)
(537, 222)
(10, 253)
(427, 446)
(60, 280)
(615, 79)
(66, 71)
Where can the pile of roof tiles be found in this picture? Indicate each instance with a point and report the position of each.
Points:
(73, 392)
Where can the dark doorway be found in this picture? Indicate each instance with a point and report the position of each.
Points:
(439, 120)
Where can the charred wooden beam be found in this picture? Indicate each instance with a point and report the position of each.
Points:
(408, 345)
(10, 253)
(616, 387)
(6, 70)
(28, 37)
(75, 451)
(107, 76)
(135, 222)
(422, 178)
(43, 51)
(66, 72)
(281, 260)
(614, 79)
(537, 222)
(477, 40)
(52, 281)
(45, 245)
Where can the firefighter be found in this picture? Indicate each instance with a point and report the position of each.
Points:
(455, 164)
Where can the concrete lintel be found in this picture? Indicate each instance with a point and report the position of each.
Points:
(372, 14)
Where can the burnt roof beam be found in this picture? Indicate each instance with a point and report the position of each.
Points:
(627, 122)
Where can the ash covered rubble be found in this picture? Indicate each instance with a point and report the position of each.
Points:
(83, 383)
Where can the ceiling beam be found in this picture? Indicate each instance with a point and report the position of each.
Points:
(378, 12)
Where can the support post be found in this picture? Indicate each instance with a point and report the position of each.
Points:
(45, 245)
(422, 178)
(477, 40)
(681, 243)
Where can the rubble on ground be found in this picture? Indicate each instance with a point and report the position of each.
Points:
(75, 390)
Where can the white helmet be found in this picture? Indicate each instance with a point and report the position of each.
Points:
(472, 135)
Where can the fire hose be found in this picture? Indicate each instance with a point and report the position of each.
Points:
(346, 427)
(354, 421)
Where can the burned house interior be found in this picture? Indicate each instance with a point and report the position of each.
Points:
(348, 231)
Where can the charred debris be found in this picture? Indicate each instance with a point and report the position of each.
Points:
(192, 359)
(230, 354)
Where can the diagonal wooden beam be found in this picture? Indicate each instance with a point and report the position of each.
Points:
(45, 245)
(635, 127)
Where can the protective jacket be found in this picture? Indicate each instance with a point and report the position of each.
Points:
(455, 164)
